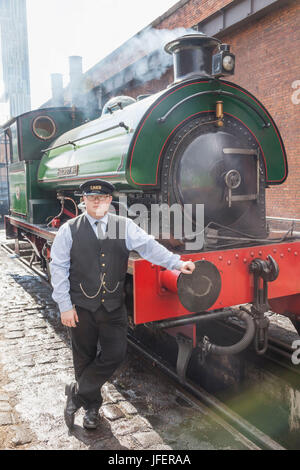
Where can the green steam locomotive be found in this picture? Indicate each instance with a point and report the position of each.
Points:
(202, 140)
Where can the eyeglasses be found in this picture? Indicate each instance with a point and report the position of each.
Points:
(95, 197)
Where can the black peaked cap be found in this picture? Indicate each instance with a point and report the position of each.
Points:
(96, 187)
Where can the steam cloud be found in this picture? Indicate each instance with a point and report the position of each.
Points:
(143, 57)
(148, 46)
(150, 39)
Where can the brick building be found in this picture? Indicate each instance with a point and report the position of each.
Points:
(265, 37)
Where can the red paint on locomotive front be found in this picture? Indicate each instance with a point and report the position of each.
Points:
(152, 302)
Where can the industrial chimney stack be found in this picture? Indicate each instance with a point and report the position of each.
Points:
(57, 89)
(75, 66)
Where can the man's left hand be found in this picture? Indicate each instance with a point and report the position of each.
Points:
(187, 267)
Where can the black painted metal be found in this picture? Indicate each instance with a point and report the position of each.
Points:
(200, 290)
(192, 55)
(193, 319)
(206, 346)
(194, 168)
(240, 345)
(185, 349)
(237, 13)
(268, 271)
(296, 324)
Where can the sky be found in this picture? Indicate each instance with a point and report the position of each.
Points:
(89, 28)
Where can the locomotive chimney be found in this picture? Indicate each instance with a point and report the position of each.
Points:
(75, 64)
(57, 89)
(192, 56)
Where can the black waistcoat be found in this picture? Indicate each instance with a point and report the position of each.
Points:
(97, 267)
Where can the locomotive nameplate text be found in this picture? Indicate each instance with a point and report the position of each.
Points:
(68, 171)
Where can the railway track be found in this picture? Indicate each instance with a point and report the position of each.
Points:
(25, 258)
(197, 396)
(237, 426)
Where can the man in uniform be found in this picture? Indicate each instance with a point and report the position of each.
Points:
(87, 273)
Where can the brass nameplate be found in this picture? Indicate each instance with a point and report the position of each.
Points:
(67, 171)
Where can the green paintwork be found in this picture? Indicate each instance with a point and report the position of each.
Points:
(18, 188)
(102, 155)
(143, 172)
(30, 146)
(27, 199)
(131, 158)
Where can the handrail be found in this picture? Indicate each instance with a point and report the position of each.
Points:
(121, 124)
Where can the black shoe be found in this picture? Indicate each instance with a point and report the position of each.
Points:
(70, 408)
(91, 418)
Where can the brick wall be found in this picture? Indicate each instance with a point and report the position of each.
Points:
(192, 13)
(267, 53)
(267, 63)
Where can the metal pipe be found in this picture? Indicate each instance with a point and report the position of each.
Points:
(219, 113)
(243, 343)
(193, 319)
(213, 348)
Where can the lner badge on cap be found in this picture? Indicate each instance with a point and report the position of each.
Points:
(96, 187)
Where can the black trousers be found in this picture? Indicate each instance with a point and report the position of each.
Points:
(93, 367)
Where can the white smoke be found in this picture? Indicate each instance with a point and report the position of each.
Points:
(144, 54)
(151, 39)
(142, 58)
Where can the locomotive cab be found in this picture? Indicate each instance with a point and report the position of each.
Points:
(25, 138)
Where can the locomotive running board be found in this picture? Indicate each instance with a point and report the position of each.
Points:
(41, 231)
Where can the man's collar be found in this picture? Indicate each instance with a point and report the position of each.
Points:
(91, 219)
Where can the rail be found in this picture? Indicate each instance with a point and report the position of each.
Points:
(237, 422)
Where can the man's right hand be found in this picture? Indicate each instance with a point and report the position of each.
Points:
(69, 318)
